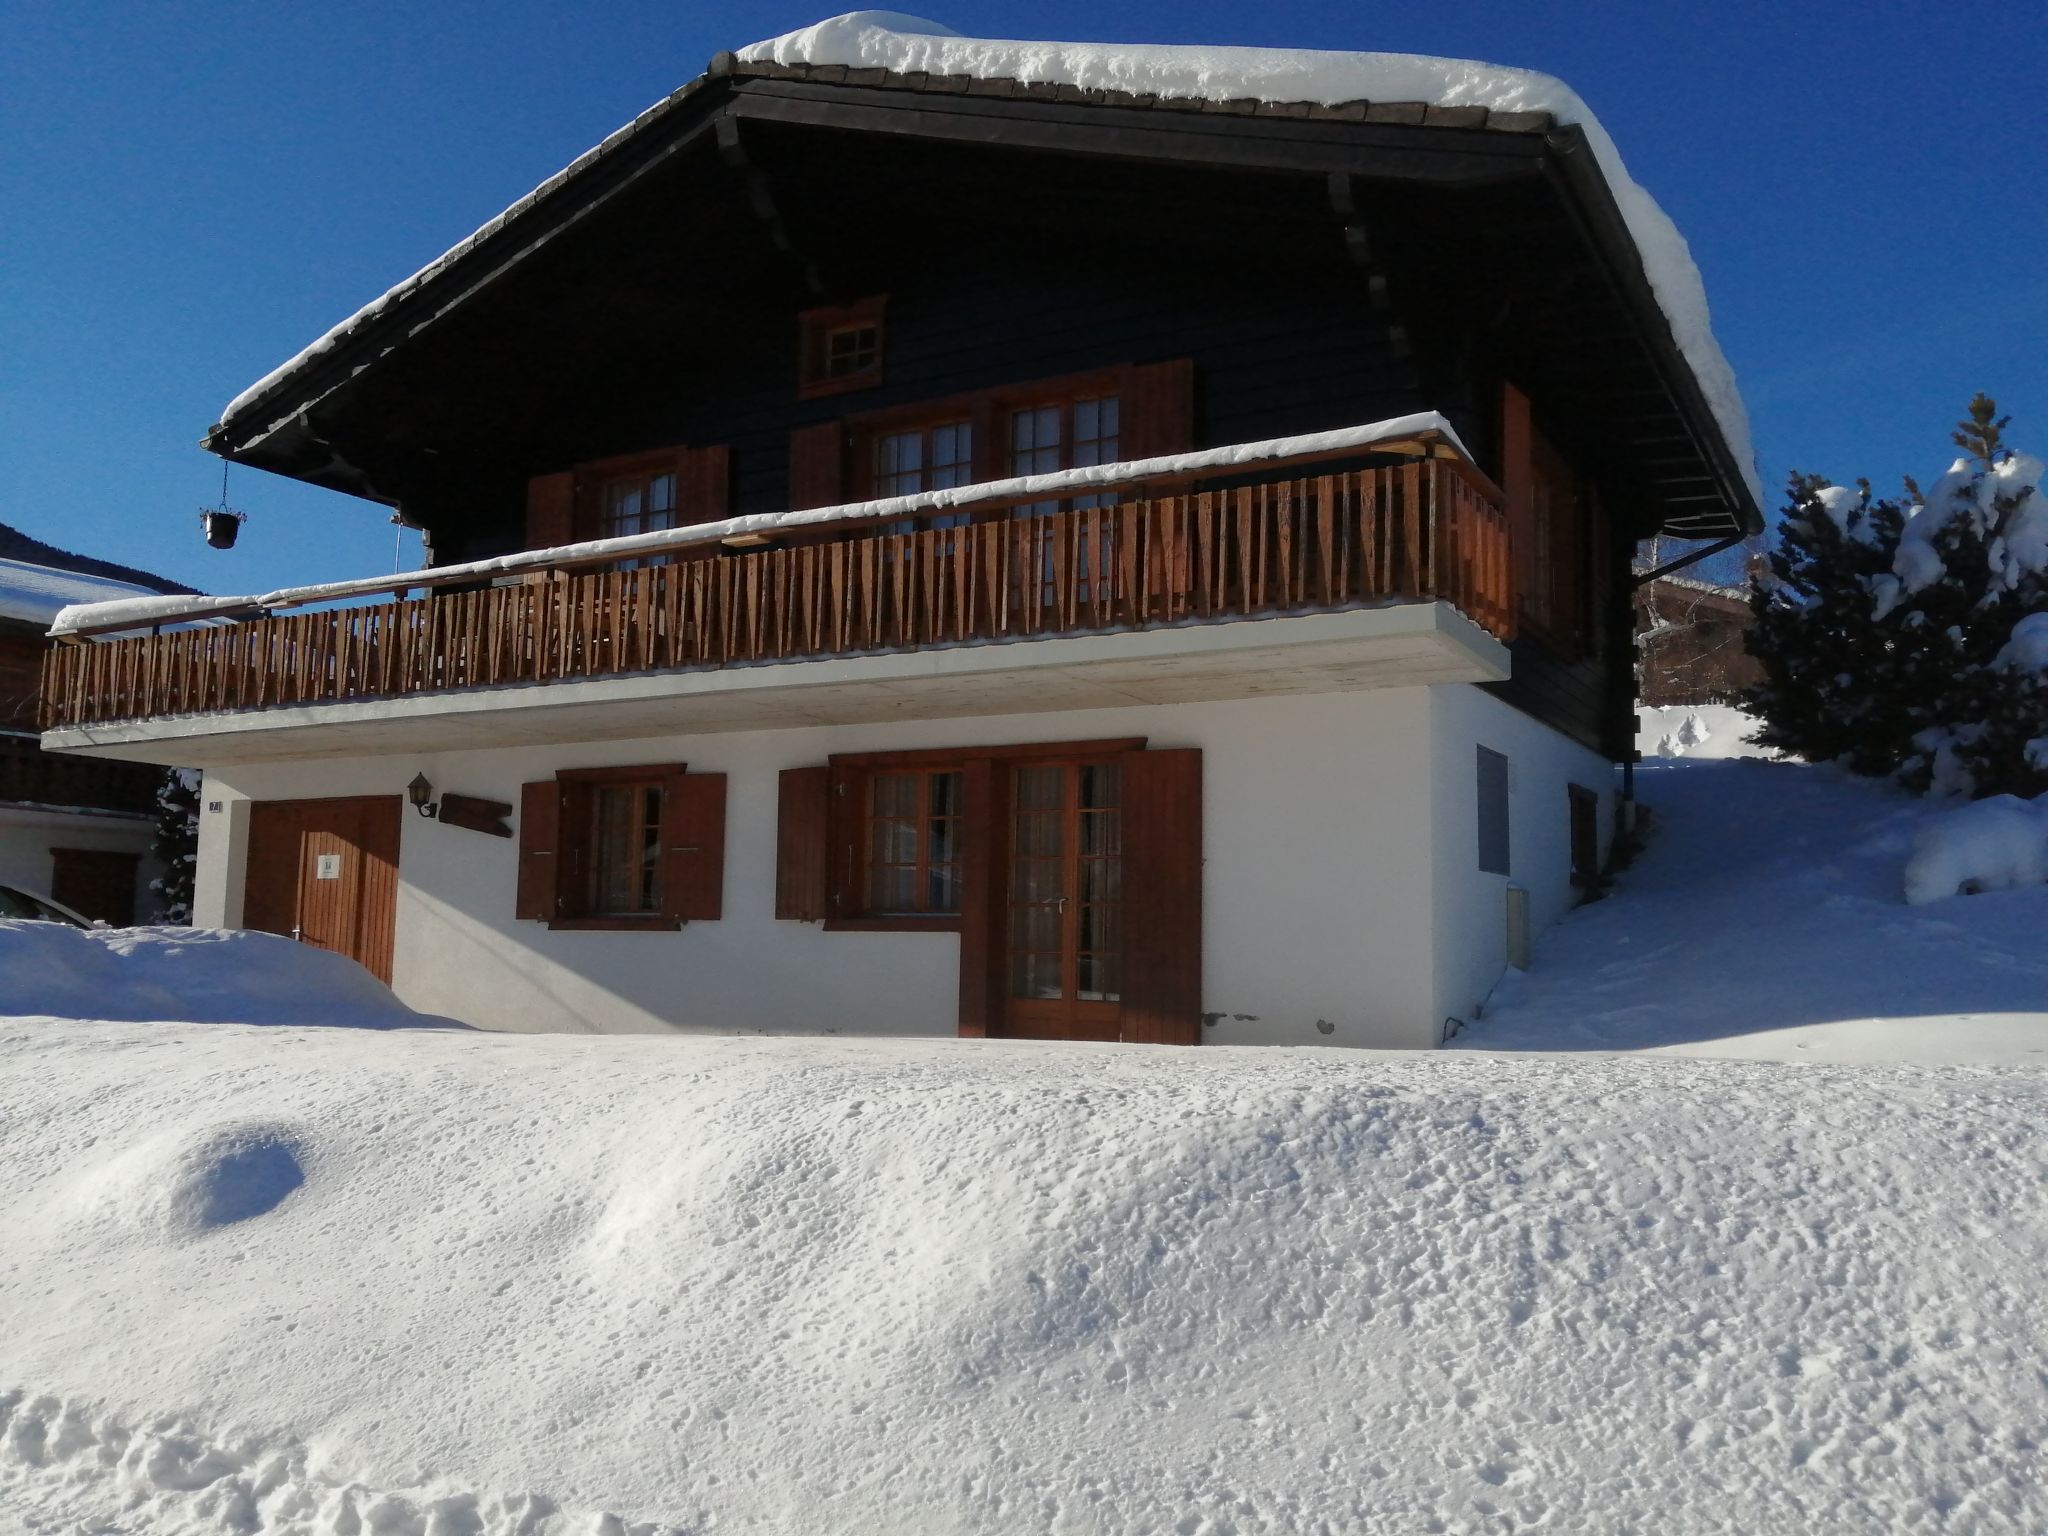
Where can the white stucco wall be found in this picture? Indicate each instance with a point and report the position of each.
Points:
(1316, 833)
(1471, 906)
(1341, 904)
(27, 836)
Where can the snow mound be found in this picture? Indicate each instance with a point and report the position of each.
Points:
(1710, 731)
(1764, 919)
(823, 1285)
(202, 975)
(1992, 845)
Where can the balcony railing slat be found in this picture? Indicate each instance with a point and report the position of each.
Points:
(1327, 540)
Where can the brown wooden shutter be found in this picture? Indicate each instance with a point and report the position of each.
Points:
(693, 847)
(817, 465)
(802, 805)
(574, 879)
(984, 833)
(703, 484)
(540, 828)
(1162, 795)
(1159, 416)
(1517, 484)
(550, 510)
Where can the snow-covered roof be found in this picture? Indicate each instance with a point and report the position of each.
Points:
(897, 45)
(36, 594)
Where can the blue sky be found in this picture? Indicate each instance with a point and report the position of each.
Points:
(189, 194)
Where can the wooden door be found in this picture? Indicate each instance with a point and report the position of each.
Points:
(95, 883)
(1064, 962)
(325, 872)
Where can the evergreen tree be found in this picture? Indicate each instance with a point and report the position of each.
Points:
(1915, 642)
(1965, 581)
(176, 845)
(1827, 660)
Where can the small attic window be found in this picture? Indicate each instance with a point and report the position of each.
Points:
(841, 348)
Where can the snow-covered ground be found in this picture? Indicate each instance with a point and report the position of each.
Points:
(422, 1282)
(1767, 919)
(425, 1282)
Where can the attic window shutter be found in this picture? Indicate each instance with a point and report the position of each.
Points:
(1159, 416)
(802, 849)
(817, 465)
(550, 510)
(1162, 994)
(540, 835)
(693, 847)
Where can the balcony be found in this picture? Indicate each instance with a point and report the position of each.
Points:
(739, 620)
(30, 776)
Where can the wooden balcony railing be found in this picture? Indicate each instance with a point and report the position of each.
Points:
(31, 776)
(1430, 528)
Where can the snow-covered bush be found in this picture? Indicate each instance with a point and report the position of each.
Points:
(1912, 640)
(175, 845)
(1994, 845)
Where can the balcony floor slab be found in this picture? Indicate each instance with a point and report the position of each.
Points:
(1401, 645)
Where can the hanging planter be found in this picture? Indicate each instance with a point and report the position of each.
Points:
(221, 525)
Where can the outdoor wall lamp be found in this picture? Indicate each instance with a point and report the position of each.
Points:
(421, 794)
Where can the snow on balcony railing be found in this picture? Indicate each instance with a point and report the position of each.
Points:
(1291, 532)
(1418, 433)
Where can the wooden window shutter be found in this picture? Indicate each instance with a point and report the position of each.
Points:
(1159, 416)
(1517, 484)
(550, 510)
(1492, 798)
(1162, 796)
(703, 484)
(802, 846)
(984, 909)
(817, 465)
(693, 847)
(540, 835)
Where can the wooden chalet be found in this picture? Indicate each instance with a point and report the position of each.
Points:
(920, 552)
(75, 829)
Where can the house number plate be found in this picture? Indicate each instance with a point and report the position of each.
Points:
(326, 866)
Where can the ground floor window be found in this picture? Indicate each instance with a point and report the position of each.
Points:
(913, 842)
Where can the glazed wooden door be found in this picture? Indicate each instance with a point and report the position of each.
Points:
(325, 872)
(1064, 969)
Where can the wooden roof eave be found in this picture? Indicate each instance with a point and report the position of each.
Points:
(1590, 201)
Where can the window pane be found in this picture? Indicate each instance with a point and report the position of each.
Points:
(952, 456)
(899, 464)
(625, 874)
(895, 794)
(948, 793)
(622, 507)
(1035, 440)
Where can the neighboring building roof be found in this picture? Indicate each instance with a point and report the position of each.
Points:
(880, 49)
(37, 580)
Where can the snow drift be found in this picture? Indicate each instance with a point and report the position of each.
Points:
(329, 1282)
(1768, 917)
(200, 975)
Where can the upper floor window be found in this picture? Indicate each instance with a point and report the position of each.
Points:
(840, 348)
(918, 459)
(1068, 434)
(638, 504)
